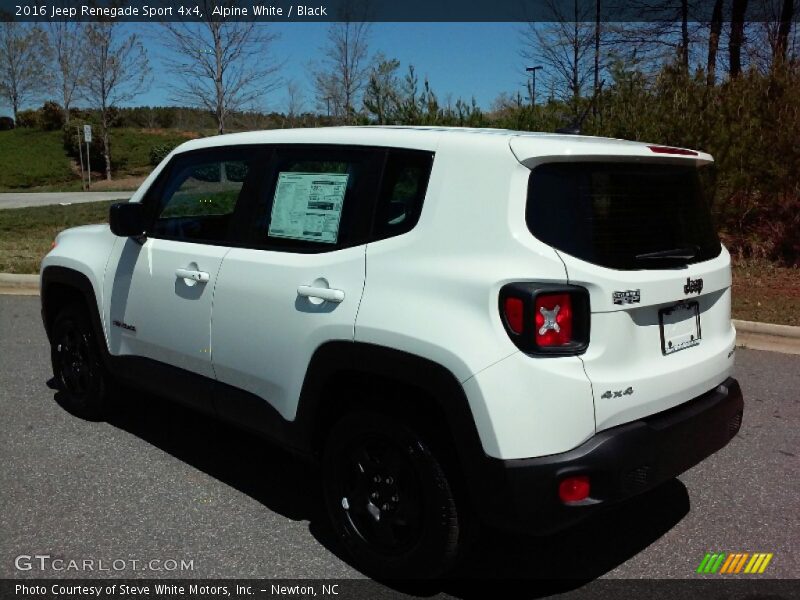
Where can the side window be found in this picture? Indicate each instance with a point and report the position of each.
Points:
(317, 199)
(405, 182)
(199, 196)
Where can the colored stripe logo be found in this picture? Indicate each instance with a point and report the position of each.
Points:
(734, 563)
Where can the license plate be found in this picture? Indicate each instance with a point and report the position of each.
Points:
(680, 327)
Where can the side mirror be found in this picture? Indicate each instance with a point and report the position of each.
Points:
(127, 219)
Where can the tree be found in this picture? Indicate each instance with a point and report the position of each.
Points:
(23, 63)
(341, 77)
(66, 48)
(382, 95)
(116, 71)
(736, 38)
(566, 46)
(784, 27)
(715, 30)
(222, 66)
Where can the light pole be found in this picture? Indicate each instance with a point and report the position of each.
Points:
(532, 89)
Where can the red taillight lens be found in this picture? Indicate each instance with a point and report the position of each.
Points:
(574, 489)
(553, 318)
(514, 312)
(671, 150)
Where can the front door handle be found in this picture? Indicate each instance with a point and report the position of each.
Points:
(192, 275)
(323, 293)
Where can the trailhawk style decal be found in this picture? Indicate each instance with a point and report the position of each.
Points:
(627, 297)
(693, 286)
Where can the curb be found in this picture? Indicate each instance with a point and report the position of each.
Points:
(749, 334)
(21, 285)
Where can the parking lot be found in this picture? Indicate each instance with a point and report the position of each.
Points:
(160, 483)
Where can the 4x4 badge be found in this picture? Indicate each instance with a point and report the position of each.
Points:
(693, 286)
(626, 297)
(618, 393)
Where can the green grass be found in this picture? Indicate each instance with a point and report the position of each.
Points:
(131, 147)
(26, 234)
(29, 157)
(35, 160)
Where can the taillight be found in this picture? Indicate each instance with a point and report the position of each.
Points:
(546, 318)
(553, 318)
(513, 308)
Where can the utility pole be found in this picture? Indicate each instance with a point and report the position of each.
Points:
(80, 153)
(532, 88)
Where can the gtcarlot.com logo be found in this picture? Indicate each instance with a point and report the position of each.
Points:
(734, 563)
(45, 562)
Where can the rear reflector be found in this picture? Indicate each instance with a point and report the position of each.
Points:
(514, 313)
(553, 318)
(574, 489)
(670, 150)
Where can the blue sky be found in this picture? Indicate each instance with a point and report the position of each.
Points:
(463, 59)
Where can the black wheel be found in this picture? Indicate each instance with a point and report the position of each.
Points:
(389, 499)
(77, 368)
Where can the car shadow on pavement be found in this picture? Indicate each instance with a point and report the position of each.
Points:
(501, 565)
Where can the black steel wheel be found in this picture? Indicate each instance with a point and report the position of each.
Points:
(77, 368)
(389, 499)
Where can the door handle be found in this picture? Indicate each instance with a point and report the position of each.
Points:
(324, 293)
(200, 276)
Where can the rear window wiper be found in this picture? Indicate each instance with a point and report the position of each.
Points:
(687, 253)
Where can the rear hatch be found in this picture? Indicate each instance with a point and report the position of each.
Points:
(635, 230)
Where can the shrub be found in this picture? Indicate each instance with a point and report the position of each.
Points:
(28, 118)
(6, 123)
(51, 116)
(159, 152)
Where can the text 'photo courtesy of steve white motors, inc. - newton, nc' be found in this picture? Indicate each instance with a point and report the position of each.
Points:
(158, 11)
(166, 589)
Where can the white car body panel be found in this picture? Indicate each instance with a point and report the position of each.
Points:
(172, 316)
(431, 292)
(264, 334)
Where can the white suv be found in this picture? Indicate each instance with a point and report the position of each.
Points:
(461, 326)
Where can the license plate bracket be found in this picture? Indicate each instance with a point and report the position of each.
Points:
(680, 327)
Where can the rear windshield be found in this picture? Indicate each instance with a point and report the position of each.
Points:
(623, 215)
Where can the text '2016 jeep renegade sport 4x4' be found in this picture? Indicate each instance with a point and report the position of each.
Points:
(458, 324)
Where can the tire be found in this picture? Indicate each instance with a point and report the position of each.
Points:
(388, 498)
(80, 376)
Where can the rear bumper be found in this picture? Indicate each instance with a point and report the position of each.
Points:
(621, 462)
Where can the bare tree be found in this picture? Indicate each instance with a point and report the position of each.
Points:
(715, 29)
(344, 72)
(736, 38)
(295, 101)
(568, 47)
(222, 66)
(23, 63)
(666, 31)
(67, 47)
(116, 71)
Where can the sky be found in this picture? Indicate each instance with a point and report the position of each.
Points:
(462, 59)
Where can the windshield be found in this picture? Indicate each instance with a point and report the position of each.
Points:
(623, 215)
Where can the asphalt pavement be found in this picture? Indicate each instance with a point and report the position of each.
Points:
(25, 199)
(159, 482)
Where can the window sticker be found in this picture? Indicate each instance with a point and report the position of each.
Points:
(308, 206)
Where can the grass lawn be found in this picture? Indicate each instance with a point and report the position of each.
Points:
(29, 157)
(27, 233)
(32, 160)
(761, 291)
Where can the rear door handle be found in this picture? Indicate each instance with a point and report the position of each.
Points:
(200, 276)
(329, 294)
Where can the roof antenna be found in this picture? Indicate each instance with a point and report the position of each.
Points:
(577, 124)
